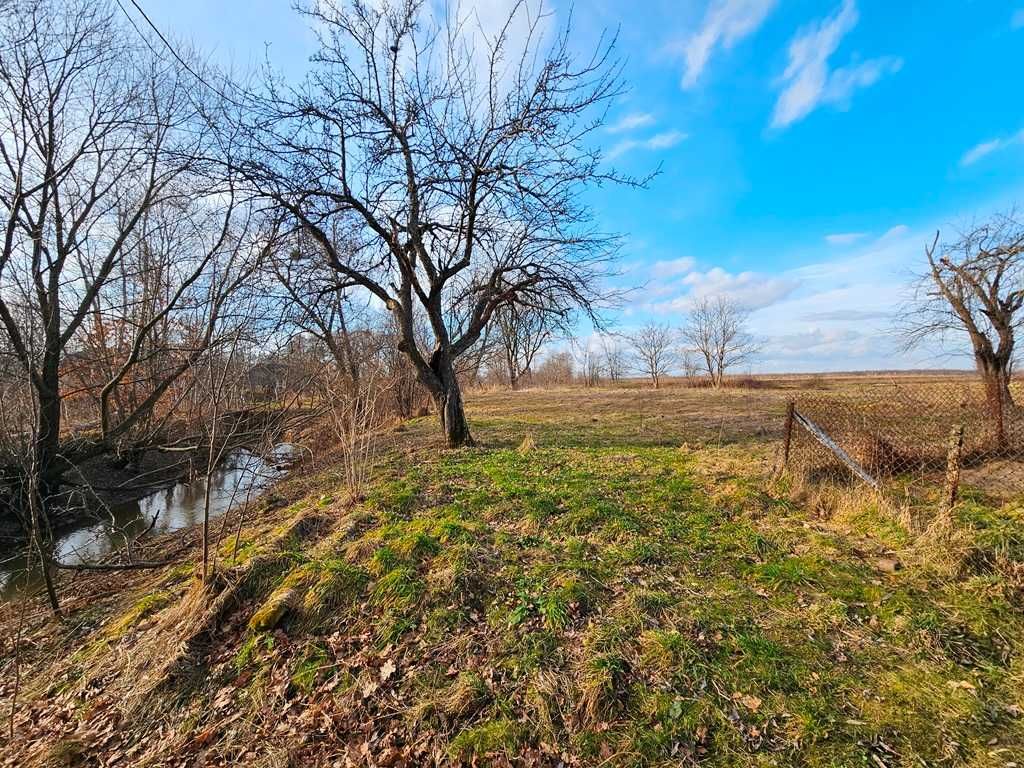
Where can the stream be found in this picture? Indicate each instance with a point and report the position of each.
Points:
(242, 476)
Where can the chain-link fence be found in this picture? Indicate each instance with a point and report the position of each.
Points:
(911, 435)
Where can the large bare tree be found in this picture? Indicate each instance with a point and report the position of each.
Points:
(974, 285)
(716, 330)
(454, 159)
(614, 353)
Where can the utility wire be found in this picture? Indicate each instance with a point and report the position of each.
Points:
(169, 47)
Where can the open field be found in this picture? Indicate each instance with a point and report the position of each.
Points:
(610, 578)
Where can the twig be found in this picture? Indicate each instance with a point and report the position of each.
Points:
(135, 566)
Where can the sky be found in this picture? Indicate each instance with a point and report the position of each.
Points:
(807, 150)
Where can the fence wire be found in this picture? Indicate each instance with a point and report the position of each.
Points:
(899, 434)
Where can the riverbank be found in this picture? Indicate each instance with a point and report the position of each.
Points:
(103, 482)
(107, 481)
(91, 597)
(177, 500)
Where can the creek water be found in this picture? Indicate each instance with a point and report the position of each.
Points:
(242, 476)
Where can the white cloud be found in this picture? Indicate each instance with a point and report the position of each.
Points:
(844, 238)
(842, 315)
(748, 289)
(725, 23)
(818, 344)
(846, 315)
(985, 148)
(834, 314)
(631, 122)
(894, 232)
(672, 267)
(809, 83)
(664, 140)
(1017, 20)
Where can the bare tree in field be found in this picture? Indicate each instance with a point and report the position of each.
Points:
(716, 330)
(615, 359)
(587, 360)
(974, 285)
(654, 348)
(689, 363)
(453, 160)
(522, 332)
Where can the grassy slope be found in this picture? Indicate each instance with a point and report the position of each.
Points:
(604, 597)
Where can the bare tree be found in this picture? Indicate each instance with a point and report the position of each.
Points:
(654, 348)
(123, 243)
(614, 353)
(689, 363)
(717, 331)
(455, 166)
(588, 360)
(316, 303)
(974, 285)
(522, 332)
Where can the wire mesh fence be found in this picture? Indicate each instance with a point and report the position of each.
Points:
(911, 436)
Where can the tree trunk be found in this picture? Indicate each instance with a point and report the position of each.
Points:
(453, 418)
(42, 548)
(40, 540)
(47, 442)
(448, 399)
(996, 376)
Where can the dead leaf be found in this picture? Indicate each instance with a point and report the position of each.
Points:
(751, 702)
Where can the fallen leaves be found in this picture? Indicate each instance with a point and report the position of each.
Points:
(753, 703)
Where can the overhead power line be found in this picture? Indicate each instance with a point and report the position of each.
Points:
(167, 44)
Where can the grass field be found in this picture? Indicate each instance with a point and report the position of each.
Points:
(610, 579)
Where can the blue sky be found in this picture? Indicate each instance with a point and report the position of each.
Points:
(808, 149)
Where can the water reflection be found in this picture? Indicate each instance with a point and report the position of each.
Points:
(243, 476)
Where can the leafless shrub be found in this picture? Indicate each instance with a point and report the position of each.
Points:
(556, 369)
(588, 361)
(356, 417)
